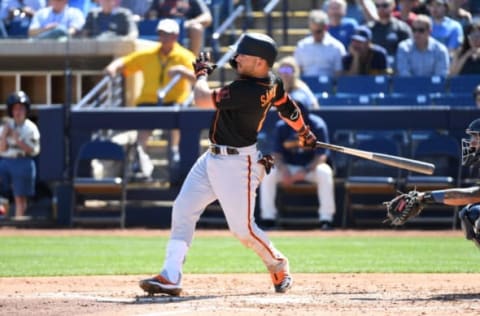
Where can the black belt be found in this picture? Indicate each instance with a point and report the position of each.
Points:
(218, 150)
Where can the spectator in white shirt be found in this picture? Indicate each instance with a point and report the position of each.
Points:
(319, 54)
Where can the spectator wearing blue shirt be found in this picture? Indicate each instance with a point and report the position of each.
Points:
(29, 7)
(294, 164)
(364, 57)
(56, 20)
(422, 55)
(444, 28)
(340, 26)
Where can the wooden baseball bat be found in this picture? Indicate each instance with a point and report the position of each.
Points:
(389, 160)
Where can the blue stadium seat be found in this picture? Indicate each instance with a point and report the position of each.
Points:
(457, 99)
(419, 85)
(395, 99)
(319, 84)
(364, 99)
(366, 85)
(464, 84)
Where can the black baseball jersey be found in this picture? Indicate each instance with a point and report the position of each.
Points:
(242, 107)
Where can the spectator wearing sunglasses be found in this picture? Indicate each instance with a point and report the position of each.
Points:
(422, 55)
(319, 54)
(467, 60)
(288, 70)
(388, 31)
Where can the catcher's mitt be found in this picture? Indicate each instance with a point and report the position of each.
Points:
(403, 207)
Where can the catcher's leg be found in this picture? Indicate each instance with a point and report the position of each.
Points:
(470, 222)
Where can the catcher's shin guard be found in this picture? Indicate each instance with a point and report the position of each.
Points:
(470, 223)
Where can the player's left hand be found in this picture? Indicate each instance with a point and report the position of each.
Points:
(203, 65)
(306, 138)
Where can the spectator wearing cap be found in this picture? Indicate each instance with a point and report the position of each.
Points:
(319, 54)
(158, 65)
(387, 30)
(422, 55)
(110, 20)
(445, 29)
(193, 14)
(364, 57)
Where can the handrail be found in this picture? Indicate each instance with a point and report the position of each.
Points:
(84, 102)
(162, 92)
(267, 10)
(223, 27)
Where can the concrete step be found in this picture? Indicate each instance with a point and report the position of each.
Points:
(296, 19)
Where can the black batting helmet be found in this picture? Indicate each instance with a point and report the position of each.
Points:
(260, 45)
(471, 146)
(17, 97)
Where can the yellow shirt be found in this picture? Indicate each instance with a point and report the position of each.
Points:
(154, 67)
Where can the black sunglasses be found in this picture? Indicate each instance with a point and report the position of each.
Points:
(384, 5)
(419, 29)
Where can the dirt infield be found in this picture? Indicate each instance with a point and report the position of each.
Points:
(244, 294)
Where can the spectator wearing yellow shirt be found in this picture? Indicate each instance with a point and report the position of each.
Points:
(158, 66)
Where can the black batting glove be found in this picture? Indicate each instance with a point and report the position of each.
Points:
(203, 65)
(306, 138)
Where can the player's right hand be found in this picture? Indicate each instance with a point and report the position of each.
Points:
(306, 138)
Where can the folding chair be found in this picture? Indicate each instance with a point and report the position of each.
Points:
(99, 200)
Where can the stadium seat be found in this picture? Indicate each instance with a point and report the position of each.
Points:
(319, 84)
(419, 85)
(453, 100)
(444, 152)
(362, 85)
(395, 99)
(109, 192)
(463, 84)
(368, 182)
(361, 99)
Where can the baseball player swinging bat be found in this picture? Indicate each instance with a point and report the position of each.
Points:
(389, 160)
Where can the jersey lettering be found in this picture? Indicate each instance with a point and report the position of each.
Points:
(267, 98)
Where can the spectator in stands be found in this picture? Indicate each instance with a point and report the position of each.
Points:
(340, 26)
(404, 11)
(56, 20)
(467, 60)
(388, 31)
(195, 15)
(84, 5)
(457, 10)
(476, 96)
(110, 20)
(364, 57)
(138, 8)
(445, 29)
(19, 143)
(289, 72)
(11, 8)
(319, 44)
(294, 164)
(361, 10)
(158, 66)
(16, 15)
(422, 55)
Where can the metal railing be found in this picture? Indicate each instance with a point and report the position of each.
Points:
(107, 93)
(222, 28)
(267, 10)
